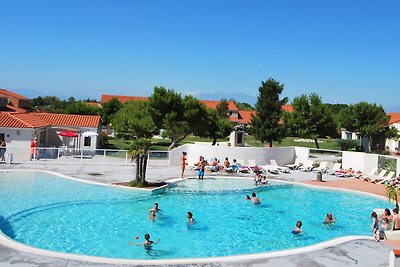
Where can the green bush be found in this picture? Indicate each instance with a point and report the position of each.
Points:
(347, 144)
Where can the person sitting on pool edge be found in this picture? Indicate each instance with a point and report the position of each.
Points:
(190, 218)
(329, 218)
(255, 199)
(148, 244)
(297, 229)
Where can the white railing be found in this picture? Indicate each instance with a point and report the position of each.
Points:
(75, 156)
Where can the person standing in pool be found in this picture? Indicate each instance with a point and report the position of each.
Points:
(255, 199)
(183, 164)
(190, 218)
(148, 244)
(297, 229)
(152, 216)
(155, 208)
(329, 218)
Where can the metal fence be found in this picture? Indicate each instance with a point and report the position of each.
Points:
(76, 156)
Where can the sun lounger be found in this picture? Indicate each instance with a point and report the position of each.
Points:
(241, 167)
(323, 167)
(370, 174)
(253, 166)
(295, 165)
(387, 178)
(279, 168)
(336, 167)
(308, 166)
(374, 179)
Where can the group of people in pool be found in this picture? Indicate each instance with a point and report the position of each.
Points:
(386, 221)
(147, 244)
(329, 220)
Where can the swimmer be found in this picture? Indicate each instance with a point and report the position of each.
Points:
(190, 218)
(148, 244)
(247, 197)
(329, 218)
(297, 229)
(255, 199)
(152, 216)
(155, 208)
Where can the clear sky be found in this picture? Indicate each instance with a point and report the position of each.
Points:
(346, 51)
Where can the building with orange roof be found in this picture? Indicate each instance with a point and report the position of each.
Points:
(393, 145)
(14, 101)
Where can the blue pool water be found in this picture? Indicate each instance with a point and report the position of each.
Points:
(48, 212)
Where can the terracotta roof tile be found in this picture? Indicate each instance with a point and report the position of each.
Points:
(54, 119)
(4, 92)
(245, 116)
(21, 120)
(288, 108)
(122, 98)
(394, 117)
(214, 103)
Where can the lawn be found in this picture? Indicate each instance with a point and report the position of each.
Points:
(162, 145)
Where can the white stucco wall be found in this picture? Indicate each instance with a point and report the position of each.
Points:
(261, 156)
(359, 161)
(391, 143)
(18, 142)
(302, 153)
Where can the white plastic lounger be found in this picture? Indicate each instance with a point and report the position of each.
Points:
(336, 167)
(323, 167)
(295, 165)
(387, 178)
(378, 178)
(308, 166)
(370, 174)
(275, 168)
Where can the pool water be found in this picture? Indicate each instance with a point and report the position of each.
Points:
(53, 213)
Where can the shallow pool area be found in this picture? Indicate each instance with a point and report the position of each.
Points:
(50, 212)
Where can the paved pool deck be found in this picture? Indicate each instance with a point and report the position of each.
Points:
(352, 253)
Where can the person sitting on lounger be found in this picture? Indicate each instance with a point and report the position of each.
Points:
(226, 164)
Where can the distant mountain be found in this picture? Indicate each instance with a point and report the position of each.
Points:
(238, 96)
(33, 93)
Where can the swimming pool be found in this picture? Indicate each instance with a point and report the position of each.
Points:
(53, 213)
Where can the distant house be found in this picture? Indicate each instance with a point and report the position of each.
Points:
(13, 102)
(392, 144)
(18, 126)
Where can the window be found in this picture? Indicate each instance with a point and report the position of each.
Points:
(239, 139)
(349, 136)
(87, 141)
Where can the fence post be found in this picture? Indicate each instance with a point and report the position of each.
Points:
(104, 157)
(81, 156)
(58, 156)
(126, 158)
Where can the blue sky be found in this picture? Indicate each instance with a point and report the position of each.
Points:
(346, 51)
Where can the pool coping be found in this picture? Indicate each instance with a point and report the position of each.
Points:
(10, 243)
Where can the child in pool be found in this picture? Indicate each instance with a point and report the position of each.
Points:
(375, 226)
(148, 244)
(190, 218)
(152, 216)
(297, 229)
(329, 219)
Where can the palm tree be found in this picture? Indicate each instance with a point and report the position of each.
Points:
(392, 194)
(139, 149)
